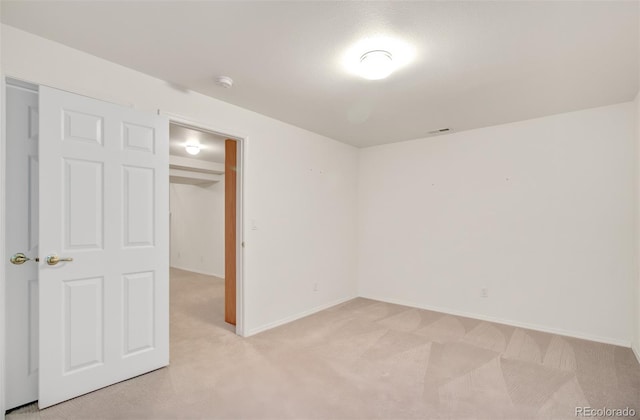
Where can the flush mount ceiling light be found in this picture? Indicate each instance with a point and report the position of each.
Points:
(377, 57)
(192, 147)
(376, 64)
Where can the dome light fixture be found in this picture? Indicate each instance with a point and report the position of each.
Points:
(377, 56)
(192, 147)
(376, 64)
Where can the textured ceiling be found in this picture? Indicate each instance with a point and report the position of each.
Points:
(476, 63)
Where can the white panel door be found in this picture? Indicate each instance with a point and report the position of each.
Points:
(104, 317)
(22, 237)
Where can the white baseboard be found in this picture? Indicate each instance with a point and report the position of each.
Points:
(636, 350)
(558, 331)
(299, 315)
(197, 271)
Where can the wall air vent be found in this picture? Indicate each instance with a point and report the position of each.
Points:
(440, 131)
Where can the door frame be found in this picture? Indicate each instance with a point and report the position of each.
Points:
(3, 165)
(242, 141)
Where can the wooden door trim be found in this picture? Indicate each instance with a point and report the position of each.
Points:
(230, 223)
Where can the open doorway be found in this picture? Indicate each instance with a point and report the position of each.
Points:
(203, 189)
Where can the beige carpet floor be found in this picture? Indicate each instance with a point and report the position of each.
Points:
(362, 359)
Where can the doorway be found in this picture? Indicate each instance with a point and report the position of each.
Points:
(203, 203)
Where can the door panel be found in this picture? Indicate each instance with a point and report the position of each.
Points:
(139, 322)
(138, 188)
(83, 339)
(83, 204)
(104, 316)
(22, 236)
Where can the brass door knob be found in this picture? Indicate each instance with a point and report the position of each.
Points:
(54, 259)
(20, 258)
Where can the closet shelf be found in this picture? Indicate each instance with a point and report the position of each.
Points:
(194, 171)
(179, 176)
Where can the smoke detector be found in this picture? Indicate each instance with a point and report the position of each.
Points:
(224, 81)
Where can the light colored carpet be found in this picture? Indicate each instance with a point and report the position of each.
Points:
(362, 359)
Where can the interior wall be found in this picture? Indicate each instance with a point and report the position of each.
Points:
(636, 295)
(636, 315)
(537, 212)
(197, 228)
(299, 187)
(540, 213)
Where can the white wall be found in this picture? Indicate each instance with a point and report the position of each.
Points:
(540, 212)
(537, 211)
(299, 187)
(197, 228)
(636, 315)
(636, 294)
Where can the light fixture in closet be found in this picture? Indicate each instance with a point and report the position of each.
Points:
(192, 147)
